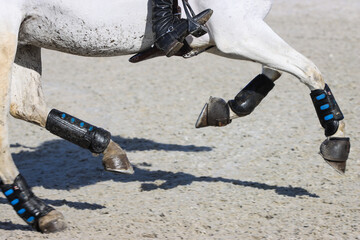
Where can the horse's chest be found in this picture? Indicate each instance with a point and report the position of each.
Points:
(69, 33)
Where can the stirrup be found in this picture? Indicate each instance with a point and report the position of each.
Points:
(196, 22)
(172, 41)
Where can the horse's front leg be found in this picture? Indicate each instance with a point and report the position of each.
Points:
(217, 112)
(27, 103)
(88, 136)
(30, 208)
(26, 85)
(266, 47)
(35, 212)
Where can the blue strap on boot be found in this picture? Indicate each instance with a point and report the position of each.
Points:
(327, 110)
(29, 207)
(77, 131)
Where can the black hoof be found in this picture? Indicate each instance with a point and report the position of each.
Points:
(215, 113)
(335, 152)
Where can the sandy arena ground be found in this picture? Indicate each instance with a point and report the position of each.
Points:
(261, 177)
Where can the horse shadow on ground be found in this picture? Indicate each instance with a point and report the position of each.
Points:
(60, 165)
(10, 226)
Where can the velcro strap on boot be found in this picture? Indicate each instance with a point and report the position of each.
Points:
(29, 207)
(77, 131)
(327, 110)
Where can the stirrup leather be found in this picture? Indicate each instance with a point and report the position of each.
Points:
(196, 28)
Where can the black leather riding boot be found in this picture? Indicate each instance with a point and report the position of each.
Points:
(170, 31)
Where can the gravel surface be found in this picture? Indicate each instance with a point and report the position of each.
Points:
(260, 177)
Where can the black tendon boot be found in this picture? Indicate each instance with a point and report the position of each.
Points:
(327, 109)
(251, 95)
(334, 150)
(170, 31)
(31, 208)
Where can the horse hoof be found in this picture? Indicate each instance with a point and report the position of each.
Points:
(52, 222)
(335, 152)
(115, 160)
(215, 113)
(118, 164)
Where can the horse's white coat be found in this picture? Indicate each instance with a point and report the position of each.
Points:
(88, 28)
(27, 99)
(118, 27)
(8, 169)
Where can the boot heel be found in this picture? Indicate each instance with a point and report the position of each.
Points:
(169, 44)
(173, 48)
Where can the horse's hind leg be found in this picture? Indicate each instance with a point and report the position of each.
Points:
(260, 44)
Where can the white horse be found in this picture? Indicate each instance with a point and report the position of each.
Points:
(120, 27)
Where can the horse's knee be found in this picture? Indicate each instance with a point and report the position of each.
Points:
(27, 100)
(28, 112)
(15, 111)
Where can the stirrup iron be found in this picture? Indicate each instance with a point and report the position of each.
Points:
(196, 27)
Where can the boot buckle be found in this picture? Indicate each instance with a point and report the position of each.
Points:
(170, 29)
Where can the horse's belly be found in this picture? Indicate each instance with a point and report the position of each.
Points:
(69, 31)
